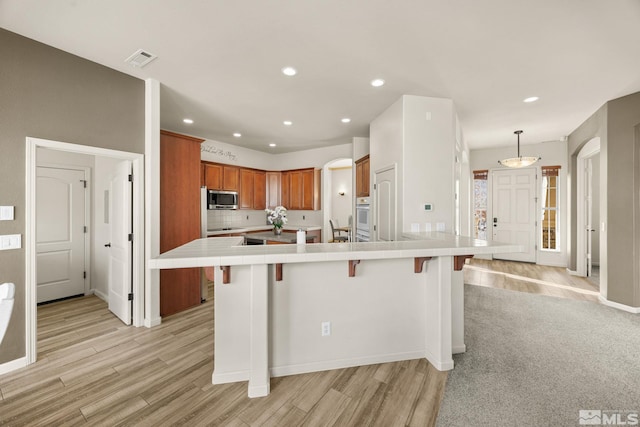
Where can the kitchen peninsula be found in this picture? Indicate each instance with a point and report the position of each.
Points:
(291, 309)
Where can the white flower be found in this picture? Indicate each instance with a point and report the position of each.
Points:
(277, 217)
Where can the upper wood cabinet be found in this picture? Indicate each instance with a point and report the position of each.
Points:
(362, 177)
(273, 184)
(252, 194)
(257, 189)
(221, 177)
(301, 189)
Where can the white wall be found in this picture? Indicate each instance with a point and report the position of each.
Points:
(341, 180)
(552, 153)
(419, 135)
(360, 148)
(429, 159)
(385, 149)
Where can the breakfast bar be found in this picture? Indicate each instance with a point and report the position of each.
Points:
(291, 309)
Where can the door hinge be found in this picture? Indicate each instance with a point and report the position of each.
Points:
(84, 183)
(131, 237)
(131, 178)
(374, 228)
(84, 274)
(85, 228)
(375, 186)
(130, 297)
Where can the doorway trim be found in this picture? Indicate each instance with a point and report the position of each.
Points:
(590, 149)
(137, 160)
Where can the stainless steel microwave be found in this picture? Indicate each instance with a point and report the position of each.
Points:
(217, 199)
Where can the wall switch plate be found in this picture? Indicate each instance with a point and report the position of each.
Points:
(415, 227)
(440, 226)
(6, 213)
(326, 329)
(427, 227)
(428, 207)
(10, 241)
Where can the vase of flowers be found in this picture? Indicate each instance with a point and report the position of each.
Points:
(277, 217)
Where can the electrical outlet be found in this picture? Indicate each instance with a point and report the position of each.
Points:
(326, 329)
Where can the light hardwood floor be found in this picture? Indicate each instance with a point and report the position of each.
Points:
(92, 370)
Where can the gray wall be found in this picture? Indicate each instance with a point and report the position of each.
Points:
(616, 125)
(47, 93)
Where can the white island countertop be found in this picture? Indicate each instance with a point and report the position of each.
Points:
(228, 251)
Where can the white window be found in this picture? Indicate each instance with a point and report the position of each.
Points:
(549, 208)
(480, 204)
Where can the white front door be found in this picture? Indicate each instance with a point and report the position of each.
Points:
(120, 246)
(60, 233)
(385, 202)
(514, 211)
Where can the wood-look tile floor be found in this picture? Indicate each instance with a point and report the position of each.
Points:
(93, 370)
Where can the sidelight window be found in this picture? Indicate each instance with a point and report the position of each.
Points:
(480, 204)
(549, 208)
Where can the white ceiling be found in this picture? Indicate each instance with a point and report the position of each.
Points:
(219, 61)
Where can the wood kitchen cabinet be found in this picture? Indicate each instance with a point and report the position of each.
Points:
(179, 217)
(252, 194)
(362, 177)
(274, 189)
(301, 189)
(221, 177)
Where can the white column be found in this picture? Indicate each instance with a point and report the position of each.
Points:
(457, 312)
(438, 313)
(259, 348)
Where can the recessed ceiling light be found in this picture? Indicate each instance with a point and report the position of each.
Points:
(345, 120)
(289, 71)
(531, 99)
(237, 134)
(287, 123)
(377, 82)
(188, 121)
(272, 145)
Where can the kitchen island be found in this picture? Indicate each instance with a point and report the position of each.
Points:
(290, 309)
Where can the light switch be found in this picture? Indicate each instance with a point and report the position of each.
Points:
(440, 226)
(10, 241)
(427, 226)
(6, 213)
(415, 227)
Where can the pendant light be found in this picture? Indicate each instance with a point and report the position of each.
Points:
(518, 162)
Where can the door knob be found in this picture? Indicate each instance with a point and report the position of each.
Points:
(108, 245)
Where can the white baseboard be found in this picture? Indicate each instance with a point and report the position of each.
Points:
(11, 366)
(459, 349)
(229, 377)
(150, 323)
(623, 307)
(101, 295)
(305, 368)
(573, 273)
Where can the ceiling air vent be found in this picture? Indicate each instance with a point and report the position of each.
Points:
(140, 58)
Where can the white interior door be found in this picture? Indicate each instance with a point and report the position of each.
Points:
(120, 250)
(385, 203)
(588, 211)
(60, 233)
(514, 211)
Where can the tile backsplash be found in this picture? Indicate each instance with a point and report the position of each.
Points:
(246, 218)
